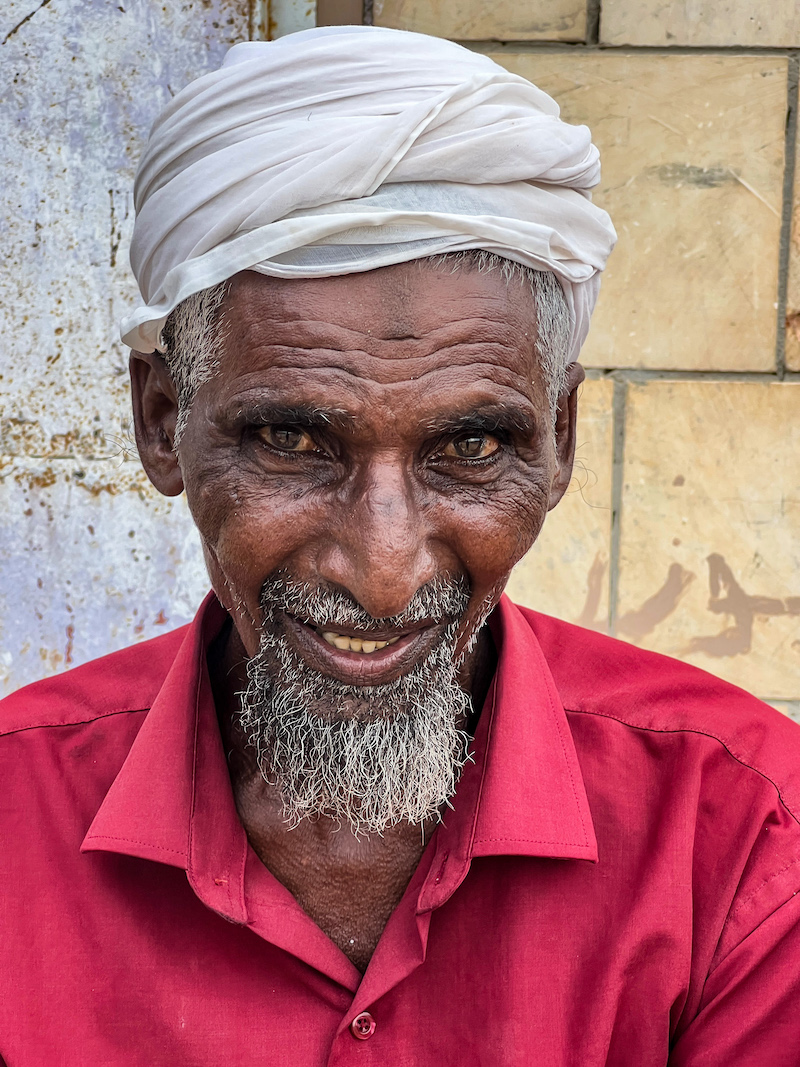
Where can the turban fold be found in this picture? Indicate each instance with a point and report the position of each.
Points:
(342, 149)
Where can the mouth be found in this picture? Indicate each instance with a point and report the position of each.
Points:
(361, 657)
(363, 644)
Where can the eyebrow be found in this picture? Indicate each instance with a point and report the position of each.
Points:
(489, 419)
(304, 416)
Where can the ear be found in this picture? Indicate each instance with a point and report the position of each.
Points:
(155, 414)
(566, 420)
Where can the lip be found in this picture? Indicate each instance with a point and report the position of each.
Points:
(360, 668)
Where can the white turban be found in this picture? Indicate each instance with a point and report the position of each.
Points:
(343, 149)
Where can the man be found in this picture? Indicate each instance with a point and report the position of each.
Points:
(442, 829)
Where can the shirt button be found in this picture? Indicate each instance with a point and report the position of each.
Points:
(363, 1026)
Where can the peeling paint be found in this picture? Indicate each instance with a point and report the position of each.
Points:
(84, 83)
(96, 571)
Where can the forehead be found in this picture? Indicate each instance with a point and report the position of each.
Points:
(389, 336)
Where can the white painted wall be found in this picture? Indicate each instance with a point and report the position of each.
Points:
(91, 558)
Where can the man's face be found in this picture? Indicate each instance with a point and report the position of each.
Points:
(373, 455)
(371, 433)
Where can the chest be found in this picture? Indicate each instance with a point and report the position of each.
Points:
(351, 903)
(517, 967)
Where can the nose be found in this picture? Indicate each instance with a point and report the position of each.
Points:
(380, 550)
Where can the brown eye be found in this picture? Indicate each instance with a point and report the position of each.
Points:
(472, 446)
(287, 438)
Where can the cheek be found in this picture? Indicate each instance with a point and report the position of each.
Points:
(247, 531)
(492, 539)
(493, 534)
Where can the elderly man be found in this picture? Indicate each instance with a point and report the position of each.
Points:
(364, 809)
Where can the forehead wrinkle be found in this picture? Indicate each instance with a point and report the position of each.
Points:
(362, 366)
(354, 389)
(369, 311)
(336, 337)
(481, 392)
(472, 330)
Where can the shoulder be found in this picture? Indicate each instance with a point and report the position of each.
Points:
(123, 681)
(599, 677)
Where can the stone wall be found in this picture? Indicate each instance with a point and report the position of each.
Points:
(680, 531)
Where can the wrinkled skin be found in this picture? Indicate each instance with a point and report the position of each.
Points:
(367, 433)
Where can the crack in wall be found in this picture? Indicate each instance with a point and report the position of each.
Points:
(22, 21)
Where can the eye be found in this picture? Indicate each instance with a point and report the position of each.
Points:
(287, 438)
(472, 446)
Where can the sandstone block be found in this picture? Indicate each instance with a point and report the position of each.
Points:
(692, 149)
(556, 20)
(721, 23)
(709, 556)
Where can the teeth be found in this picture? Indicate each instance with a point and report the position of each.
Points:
(355, 644)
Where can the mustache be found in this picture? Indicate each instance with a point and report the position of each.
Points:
(443, 597)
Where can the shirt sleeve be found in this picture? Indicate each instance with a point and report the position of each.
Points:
(749, 1013)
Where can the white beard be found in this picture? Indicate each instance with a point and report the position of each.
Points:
(370, 756)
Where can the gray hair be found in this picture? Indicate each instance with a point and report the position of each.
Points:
(370, 756)
(195, 331)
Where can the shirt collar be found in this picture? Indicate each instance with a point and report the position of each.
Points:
(172, 799)
(533, 801)
(523, 795)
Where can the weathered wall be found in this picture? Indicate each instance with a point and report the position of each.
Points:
(91, 558)
(681, 528)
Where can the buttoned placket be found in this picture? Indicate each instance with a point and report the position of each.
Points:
(444, 867)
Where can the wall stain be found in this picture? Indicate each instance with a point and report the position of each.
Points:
(639, 623)
(36, 480)
(588, 616)
(22, 21)
(116, 230)
(678, 174)
(729, 598)
(96, 488)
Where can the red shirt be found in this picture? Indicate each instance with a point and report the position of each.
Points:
(616, 885)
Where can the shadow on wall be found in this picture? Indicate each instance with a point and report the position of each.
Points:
(727, 597)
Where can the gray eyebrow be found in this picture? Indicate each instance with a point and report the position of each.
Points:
(306, 416)
(487, 419)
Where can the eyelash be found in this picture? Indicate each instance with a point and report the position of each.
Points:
(434, 453)
(499, 435)
(252, 433)
(474, 465)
